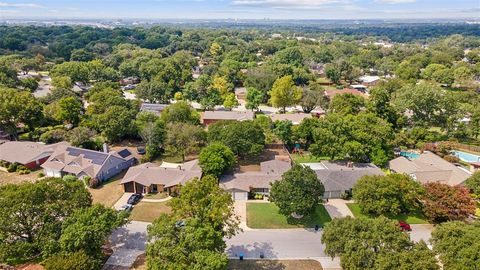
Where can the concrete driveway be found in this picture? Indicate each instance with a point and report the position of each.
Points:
(337, 208)
(122, 201)
(128, 242)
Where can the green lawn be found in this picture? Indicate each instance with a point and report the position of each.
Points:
(266, 216)
(477, 212)
(414, 218)
(307, 158)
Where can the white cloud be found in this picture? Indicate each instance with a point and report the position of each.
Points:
(286, 3)
(19, 5)
(396, 1)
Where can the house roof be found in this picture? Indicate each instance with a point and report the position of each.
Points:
(148, 174)
(270, 171)
(153, 107)
(77, 160)
(369, 79)
(338, 176)
(25, 152)
(295, 118)
(333, 92)
(228, 115)
(429, 167)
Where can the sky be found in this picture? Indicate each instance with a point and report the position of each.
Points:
(240, 9)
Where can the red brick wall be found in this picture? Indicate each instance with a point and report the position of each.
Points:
(34, 165)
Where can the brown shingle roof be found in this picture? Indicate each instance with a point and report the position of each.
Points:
(295, 118)
(429, 167)
(26, 152)
(228, 115)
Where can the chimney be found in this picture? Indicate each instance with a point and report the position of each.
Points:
(105, 148)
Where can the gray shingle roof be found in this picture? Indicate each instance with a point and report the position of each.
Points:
(337, 176)
(228, 115)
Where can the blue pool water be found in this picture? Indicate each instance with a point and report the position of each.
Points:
(410, 155)
(466, 157)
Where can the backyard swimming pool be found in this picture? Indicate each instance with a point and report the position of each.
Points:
(466, 157)
(410, 155)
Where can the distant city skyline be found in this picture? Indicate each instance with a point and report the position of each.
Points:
(240, 9)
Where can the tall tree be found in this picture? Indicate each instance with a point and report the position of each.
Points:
(390, 194)
(180, 112)
(183, 139)
(193, 235)
(298, 192)
(284, 93)
(346, 104)
(216, 158)
(444, 203)
(254, 98)
(458, 244)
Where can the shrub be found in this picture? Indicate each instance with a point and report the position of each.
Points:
(451, 159)
(53, 136)
(69, 178)
(21, 168)
(3, 164)
(12, 167)
(346, 195)
(92, 182)
(41, 175)
(74, 261)
(26, 171)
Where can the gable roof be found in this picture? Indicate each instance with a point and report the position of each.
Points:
(338, 176)
(228, 115)
(77, 160)
(429, 167)
(26, 152)
(168, 176)
(270, 171)
(153, 107)
(295, 118)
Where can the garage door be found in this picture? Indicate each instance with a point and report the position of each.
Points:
(240, 195)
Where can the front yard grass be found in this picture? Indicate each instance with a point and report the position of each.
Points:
(274, 264)
(266, 216)
(109, 192)
(15, 178)
(413, 218)
(148, 211)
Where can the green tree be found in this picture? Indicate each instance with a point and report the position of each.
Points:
(445, 203)
(245, 138)
(154, 91)
(230, 101)
(372, 244)
(298, 192)
(116, 123)
(68, 110)
(346, 104)
(216, 158)
(183, 139)
(384, 195)
(254, 98)
(81, 137)
(313, 98)
(284, 93)
(417, 257)
(473, 183)
(62, 82)
(87, 230)
(283, 130)
(192, 236)
(18, 107)
(71, 261)
(43, 205)
(180, 112)
(458, 244)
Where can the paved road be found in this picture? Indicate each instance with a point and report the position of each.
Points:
(292, 243)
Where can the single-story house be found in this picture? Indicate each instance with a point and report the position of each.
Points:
(210, 117)
(368, 80)
(153, 108)
(28, 154)
(339, 177)
(429, 167)
(68, 160)
(295, 118)
(148, 177)
(333, 92)
(239, 185)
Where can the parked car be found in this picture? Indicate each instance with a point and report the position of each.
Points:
(134, 199)
(141, 150)
(126, 207)
(404, 226)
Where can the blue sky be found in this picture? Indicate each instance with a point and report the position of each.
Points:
(241, 9)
